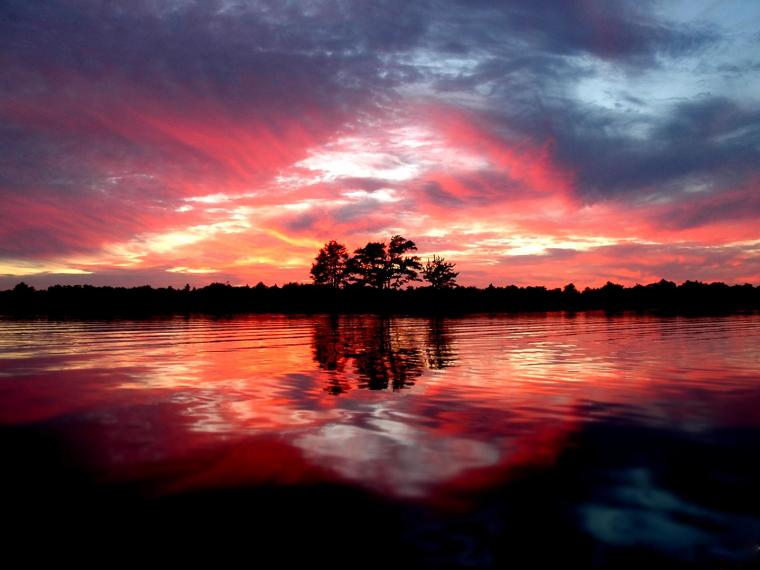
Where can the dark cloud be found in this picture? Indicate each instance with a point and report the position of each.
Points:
(216, 47)
(701, 209)
(705, 138)
(274, 59)
(683, 262)
(435, 193)
(611, 30)
(712, 142)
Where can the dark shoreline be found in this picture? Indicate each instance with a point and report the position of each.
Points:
(664, 297)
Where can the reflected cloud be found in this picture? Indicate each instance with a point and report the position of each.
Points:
(631, 431)
(394, 455)
(470, 398)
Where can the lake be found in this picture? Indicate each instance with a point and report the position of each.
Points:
(485, 441)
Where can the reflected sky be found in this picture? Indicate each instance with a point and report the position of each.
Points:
(437, 411)
(403, 404)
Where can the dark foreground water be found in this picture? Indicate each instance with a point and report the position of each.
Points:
(587, 440)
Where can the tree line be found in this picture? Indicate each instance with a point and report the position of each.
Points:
(379, 266)
(689, 297)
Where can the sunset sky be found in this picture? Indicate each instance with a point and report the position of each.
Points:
(530, 142)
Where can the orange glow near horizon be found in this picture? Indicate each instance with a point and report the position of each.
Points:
(503, 212)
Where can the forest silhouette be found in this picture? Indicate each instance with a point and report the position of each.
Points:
(690, 297)
(378, 279)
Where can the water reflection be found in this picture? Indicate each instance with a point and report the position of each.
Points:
(331, 353)
(439, 348)
(601, 423)
(382, 353)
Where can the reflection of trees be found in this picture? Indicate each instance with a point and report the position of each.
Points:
(384, 353)
(330, 351)
(439, 353)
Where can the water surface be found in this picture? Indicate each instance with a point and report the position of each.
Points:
(609, 441)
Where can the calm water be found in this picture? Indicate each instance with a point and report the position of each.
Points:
(474, 442)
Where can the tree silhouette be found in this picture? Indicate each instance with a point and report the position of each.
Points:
(369, 265)
(330, 267)
(440, 273)
(402, 268)
(382, 267)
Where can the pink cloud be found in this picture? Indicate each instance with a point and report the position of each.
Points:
(247, 198)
